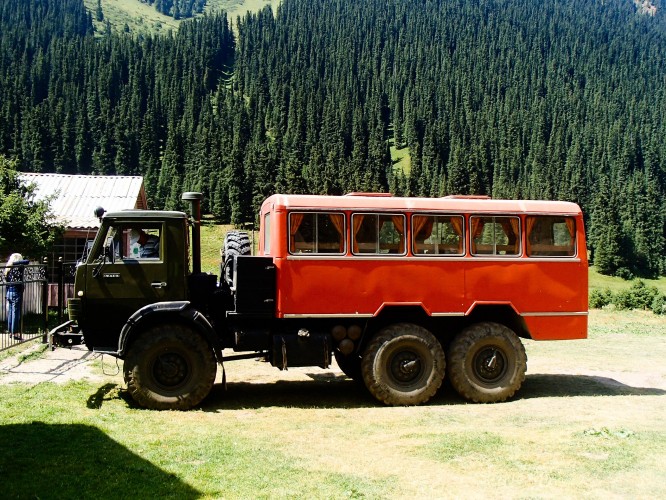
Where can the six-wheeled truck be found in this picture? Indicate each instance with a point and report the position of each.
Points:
(400, 291)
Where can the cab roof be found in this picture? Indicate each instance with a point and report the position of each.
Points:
(145, 214)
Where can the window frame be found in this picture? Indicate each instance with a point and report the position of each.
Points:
(122, 243)
(519, 234)
(316, 252)
(574, 237)
(377, 242)
(439, 215)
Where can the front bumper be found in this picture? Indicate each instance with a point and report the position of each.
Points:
(67, 334)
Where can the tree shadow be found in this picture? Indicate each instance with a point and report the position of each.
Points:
(40, 460)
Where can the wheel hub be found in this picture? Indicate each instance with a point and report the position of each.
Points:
(170, 369)
(490, 364)
(405, 366)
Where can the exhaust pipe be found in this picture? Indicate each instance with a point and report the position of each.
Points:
(195, 199)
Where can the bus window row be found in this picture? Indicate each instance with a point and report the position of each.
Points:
(431, 235)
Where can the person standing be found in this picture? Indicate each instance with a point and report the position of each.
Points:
(14, 279)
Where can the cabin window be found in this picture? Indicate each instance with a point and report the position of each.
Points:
(134, 242)
(316, 233)
(498, 236)
(549, 236)
(378, 234)
(437, 235)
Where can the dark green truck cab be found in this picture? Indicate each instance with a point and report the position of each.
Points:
(138, 297)
(117, 279)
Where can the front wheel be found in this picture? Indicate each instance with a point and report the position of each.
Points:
(487, 363)
(169, 367)
(403, 365)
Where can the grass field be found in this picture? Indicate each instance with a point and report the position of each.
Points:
(600, 282)
(588, 422)
(401, 159)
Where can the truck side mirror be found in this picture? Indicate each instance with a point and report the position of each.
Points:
(109, 253)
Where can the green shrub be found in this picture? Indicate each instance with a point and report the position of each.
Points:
(659, 304)
(639, 296)
(624, 273)
(600, 298)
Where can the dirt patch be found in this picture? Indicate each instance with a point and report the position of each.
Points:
(59, 366)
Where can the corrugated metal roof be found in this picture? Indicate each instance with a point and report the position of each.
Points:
(75, 197)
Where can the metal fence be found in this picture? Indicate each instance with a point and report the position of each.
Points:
(45, 291)
(33, 305)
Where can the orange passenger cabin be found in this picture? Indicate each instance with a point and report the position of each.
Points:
(356, 255)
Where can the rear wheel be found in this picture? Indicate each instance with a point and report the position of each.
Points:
(170, 367)
(404, 364)
(487, 363)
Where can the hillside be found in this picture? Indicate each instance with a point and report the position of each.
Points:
(519, 99)
(136, 17)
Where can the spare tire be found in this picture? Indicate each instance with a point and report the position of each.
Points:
(235, 243)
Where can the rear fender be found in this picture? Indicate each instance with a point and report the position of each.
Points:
(167, 312)
(499, 312)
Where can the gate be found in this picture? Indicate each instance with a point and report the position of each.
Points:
(33, 305)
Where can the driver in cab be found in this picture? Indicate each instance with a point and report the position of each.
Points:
(144, 245)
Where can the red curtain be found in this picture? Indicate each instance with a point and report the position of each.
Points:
(477, 230)
(531, 221)
(295, 220)
(338, 221)
(457, 223)
(514, 239)
(421, 228)
(357, 221)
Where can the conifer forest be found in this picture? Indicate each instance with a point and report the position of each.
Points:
(556, 99)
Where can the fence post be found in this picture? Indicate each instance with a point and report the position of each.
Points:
(61, 288)
(45, 298)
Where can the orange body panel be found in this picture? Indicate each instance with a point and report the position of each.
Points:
(550, 294)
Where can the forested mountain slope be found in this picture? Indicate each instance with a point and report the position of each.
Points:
(514, 98)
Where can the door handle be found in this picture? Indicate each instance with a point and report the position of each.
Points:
(158, 284)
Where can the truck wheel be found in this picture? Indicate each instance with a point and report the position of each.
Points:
(403, 365)
(350, 365)
(487, 363)
(170, 367)
(235, 243)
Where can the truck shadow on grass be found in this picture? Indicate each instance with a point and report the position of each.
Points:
(40, 460)
(338, 391)
(321, 392)
(341, 392)
(541, 385)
